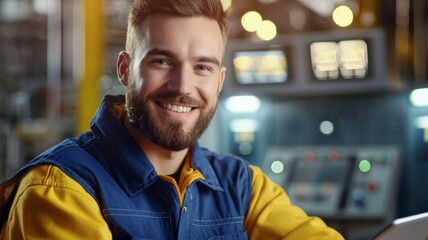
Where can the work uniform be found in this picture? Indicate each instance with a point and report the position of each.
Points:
(101, 185)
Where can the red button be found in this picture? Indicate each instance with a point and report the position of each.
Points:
(333, 156)
(309, 157)
(372, 187)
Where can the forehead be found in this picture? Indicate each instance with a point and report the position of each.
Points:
(182, 34)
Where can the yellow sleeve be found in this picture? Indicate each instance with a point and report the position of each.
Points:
(272, 216)
(51, 205)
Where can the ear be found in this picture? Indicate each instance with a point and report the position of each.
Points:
(222, 77)
(122, 67)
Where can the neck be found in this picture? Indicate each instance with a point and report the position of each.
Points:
(165, 162)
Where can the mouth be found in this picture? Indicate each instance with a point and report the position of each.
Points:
(176, 108)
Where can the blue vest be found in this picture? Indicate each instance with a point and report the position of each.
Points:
(135, 202)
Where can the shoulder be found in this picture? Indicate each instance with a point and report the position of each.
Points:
(43, 193)
(47, 175)
(70, 159)
(64, 150)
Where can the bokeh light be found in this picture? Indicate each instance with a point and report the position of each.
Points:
(364, 166)
(251, 21)
(226, 4)
(266, 30)
(277, 167)
(343, 16)
(326, 127)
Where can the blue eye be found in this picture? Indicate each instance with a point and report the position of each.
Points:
(162, 62)
(203, 68)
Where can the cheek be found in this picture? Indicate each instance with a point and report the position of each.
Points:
(209, 91)
(147, 82)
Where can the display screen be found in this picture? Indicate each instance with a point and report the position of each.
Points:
(344, 59)
(252, 67)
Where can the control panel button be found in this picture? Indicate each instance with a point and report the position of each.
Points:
(372, 187)
(359, 197)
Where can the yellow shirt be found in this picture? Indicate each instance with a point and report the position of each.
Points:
(49, 204)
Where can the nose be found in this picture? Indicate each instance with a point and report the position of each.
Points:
(181, 80)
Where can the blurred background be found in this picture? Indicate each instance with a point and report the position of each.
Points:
(328, 97)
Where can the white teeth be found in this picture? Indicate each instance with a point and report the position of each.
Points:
(176, 108)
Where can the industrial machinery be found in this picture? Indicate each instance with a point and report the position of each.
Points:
(341, 184)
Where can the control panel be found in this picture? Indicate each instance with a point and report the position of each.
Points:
(346, 182)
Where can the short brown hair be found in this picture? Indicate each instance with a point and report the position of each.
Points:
(141, 9)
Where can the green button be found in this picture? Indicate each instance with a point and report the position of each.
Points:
(365, 166)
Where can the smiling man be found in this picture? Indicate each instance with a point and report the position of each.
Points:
(140, 173)
(174, 79)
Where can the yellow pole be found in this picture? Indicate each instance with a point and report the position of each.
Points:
(88, 88)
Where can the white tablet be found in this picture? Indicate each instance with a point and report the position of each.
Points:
(414, 227)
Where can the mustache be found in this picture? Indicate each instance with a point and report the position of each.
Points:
(173, 97)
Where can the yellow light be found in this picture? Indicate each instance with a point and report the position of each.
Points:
(226, 4)
(267, 30)
(273, 64)
(353, 58)
(325, 60)
(343, 16)
(251, 21)
(243, 64)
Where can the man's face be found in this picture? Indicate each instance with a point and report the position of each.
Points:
(175, 79)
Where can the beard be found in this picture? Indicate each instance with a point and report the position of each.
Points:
(170, 133)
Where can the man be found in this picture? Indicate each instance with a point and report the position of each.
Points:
(139, 173)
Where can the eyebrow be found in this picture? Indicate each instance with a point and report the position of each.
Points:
(168, 53)
(209, 60)
(158, 51)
